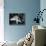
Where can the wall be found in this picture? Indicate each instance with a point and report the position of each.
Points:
(29, 7)
(1, 21)
(43, 6)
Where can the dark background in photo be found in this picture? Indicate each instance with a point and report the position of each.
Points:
(16, 18)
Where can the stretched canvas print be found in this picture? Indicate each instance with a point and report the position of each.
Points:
(16, 18)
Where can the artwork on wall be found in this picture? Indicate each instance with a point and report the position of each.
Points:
(16, 18)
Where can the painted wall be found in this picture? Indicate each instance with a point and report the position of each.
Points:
(1, 21)
(43, 6)
(29, 7)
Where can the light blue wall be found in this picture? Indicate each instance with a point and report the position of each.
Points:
(43, 6)
(29, 7)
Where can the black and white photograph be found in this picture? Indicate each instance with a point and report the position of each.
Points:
(16, 18)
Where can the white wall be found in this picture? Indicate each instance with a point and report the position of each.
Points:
(1, 21)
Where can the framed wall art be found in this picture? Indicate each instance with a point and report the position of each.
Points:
(16, 18)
